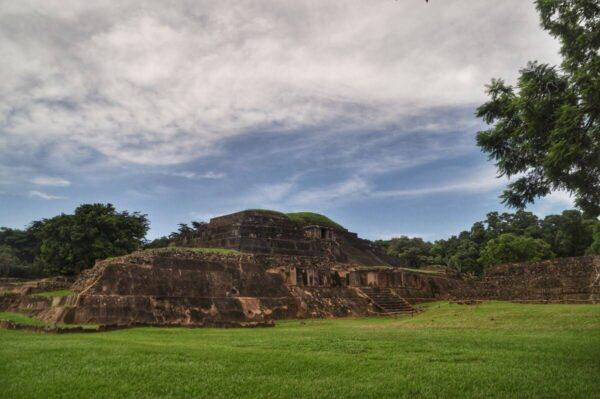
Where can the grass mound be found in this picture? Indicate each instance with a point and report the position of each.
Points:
(308, 218)
(449, 351)
(303, 218)
(54, 294)
(266, 211)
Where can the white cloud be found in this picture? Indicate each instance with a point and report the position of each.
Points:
(483, 181)
(44, 196)
(50, 181)
(268, 195)
(561, 198)
(193, 175)
(166, 83)
(555, 202)
(347, 190)
(291, 194)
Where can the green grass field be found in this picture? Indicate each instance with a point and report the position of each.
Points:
(490, 350)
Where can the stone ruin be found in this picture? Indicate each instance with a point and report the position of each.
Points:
(563, 280)
(282, 270)
(173, 286)
(270, 232)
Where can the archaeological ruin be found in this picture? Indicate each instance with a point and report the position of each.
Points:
(253, 267)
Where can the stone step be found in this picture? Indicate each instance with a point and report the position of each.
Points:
(387, 301)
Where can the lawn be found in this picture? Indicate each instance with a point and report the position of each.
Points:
(489, 350)
(52, 294)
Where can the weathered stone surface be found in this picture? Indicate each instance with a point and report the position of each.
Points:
(562, 279)
(185, 287)
(267, 232)
(168, 287)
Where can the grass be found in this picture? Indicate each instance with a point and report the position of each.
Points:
(304, 218)
(222, 251)
(490, 350)
(53, 294)
(30, 321)
(21, 319)
(265, 211)
(424, 271)
(308, 218)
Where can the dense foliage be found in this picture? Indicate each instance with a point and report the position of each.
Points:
(546, 130)
(67, 244)
(594, 249)
(412, 252)
(511, 248)
(500, 238)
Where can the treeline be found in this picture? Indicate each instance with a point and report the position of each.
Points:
(68, 243)
(502, 238)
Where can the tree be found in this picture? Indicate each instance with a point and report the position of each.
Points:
(160, 242)
(547, 129)
(413, 252)
(518, 223)
(569, 234)
(465, 257)
(594, 249)
(9, 262)
(24, 243)
(71, 243)
(511, 248)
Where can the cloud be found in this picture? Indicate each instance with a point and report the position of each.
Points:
(293, 194)
(194, 175)
(347, 190)
(50, 181)
(560, 198)
(44, 196)
(484, 181)
(555, 202)
(170, 82)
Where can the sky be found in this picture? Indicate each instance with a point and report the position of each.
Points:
(186, 110)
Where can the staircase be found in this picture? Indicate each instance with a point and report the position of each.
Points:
(387, 301)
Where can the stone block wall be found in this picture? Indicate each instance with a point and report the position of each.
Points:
(262, 232)
(556, 280)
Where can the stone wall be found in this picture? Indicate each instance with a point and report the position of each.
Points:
(556, 280)
(191, 288)
(268, 232)
(186, 287)
(258, 231)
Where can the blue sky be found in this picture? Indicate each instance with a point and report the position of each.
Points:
(363, 111)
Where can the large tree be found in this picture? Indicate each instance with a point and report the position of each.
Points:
(546, 130)
(71, 243)
(509, 248)
(412, 252)
(569, 234)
